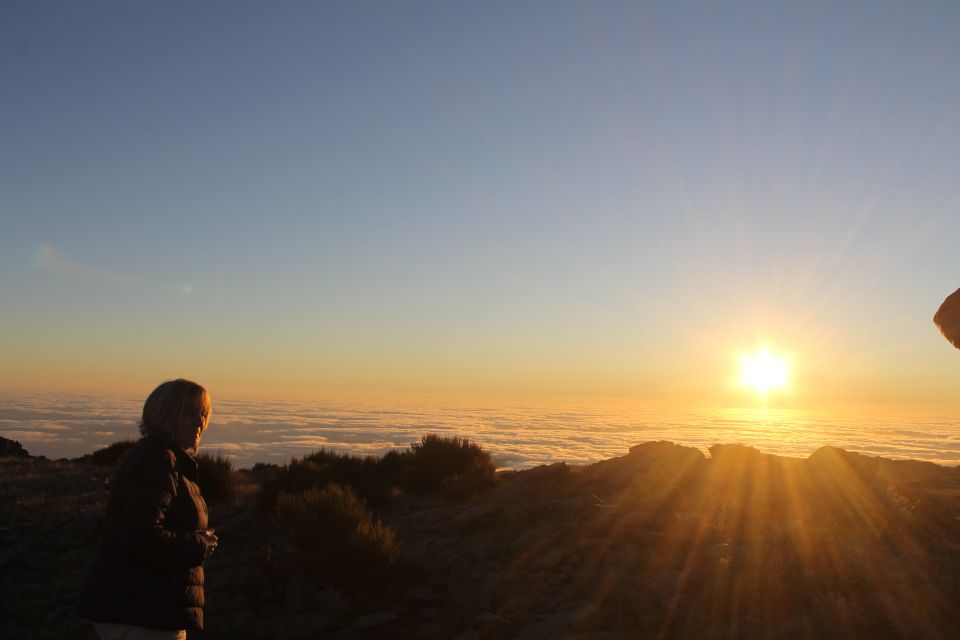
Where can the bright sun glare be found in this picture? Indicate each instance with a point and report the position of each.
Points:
(764, 371)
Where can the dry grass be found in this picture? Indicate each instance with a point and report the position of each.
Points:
(51, 513)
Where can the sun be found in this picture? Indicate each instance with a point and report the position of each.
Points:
(764, 372)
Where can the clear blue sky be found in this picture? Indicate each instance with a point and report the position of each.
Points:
(545, 198)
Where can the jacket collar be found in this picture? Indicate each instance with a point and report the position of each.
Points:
(186, 462)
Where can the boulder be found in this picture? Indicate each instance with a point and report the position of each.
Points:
(12, 448)
(556, 472)
(911, 471)
(839, 464)
(737, 454)
(662, 462)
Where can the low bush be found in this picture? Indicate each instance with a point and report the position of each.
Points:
(322, 467)
(217, 479)
(290, 478)
(394, 467)
(338, 537)
(265, 467)
(109, 455)
(361, 474)
(453, 465)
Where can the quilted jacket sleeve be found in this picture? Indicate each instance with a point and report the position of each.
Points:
(145, 502)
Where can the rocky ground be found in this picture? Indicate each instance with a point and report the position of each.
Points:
(663, 542)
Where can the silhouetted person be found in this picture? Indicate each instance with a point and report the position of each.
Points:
(147, 579)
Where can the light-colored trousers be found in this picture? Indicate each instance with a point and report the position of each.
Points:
(110, 631)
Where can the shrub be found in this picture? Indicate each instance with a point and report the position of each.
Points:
(322, 467)
(265, 467)
(361, 474)
(295, 477)
(218, 480)
(109, 455)
(394, 466)
(454, 465)
(338, 537)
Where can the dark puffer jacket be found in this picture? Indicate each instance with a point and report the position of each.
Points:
(149, 567)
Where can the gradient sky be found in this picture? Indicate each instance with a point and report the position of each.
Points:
(596, 200)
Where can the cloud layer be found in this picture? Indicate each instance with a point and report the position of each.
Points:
(248, 432)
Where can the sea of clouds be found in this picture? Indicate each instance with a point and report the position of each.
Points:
(60, 426)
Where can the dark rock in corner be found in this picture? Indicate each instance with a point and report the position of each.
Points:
(12, 448)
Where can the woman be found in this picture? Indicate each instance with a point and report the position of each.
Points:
(147, 579)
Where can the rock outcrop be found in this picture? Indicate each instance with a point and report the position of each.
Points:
(12, 448)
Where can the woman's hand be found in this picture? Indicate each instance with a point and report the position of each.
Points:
(210, 541)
